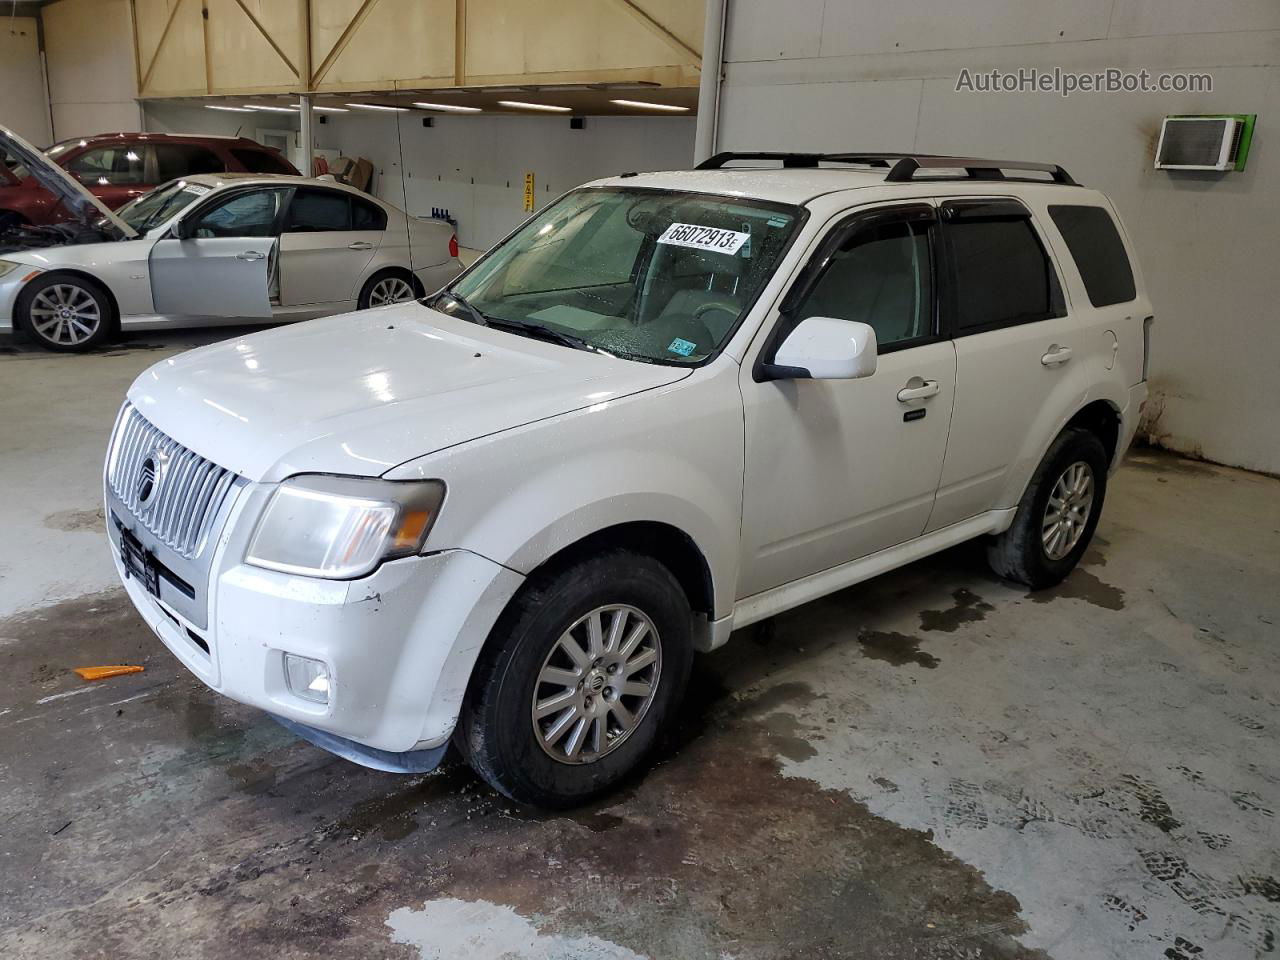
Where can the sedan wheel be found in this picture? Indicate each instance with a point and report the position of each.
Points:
(390, 290)
(66, 314)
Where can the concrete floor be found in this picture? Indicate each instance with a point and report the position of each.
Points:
(932, 764)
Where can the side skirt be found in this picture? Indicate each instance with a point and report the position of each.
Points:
(769, 603)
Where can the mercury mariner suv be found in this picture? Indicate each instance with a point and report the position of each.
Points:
(665, 407)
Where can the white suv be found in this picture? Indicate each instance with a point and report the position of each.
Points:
(667, 406)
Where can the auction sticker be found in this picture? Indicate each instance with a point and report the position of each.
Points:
(704, 238)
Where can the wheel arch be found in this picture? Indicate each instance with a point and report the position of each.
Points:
(114, 305)
(1101, 418)
(387, 270)
(664, 542)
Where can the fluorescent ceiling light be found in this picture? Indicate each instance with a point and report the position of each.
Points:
(378, 106)
(331, 109)
(252, 106)
(521, 105)
(645, 105)
(214, 106)
(446, 107)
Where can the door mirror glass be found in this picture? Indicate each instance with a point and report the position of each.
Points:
(825, 348)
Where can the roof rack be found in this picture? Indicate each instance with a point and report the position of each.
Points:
(902, 166)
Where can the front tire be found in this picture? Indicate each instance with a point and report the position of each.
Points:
(1057, 514)
(65, 313)
(580, 679)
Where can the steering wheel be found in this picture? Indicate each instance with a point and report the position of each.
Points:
(728, 306)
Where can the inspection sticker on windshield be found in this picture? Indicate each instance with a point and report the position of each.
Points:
(682, 347)
(704, 238)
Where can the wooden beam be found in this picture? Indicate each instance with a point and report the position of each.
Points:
(460, 42)
(204, 37)
(304, 31)
(146, 77)
(137, 53)
(343, 40)
(267, 37)
(672, 40)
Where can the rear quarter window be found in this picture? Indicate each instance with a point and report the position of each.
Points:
(1098, 251)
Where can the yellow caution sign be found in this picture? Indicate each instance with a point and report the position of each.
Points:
(528, 192)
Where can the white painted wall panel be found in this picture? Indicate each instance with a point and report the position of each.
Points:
(1146, 18)
(89, 46)
(775, 31)
(25, 109)
(854, 26)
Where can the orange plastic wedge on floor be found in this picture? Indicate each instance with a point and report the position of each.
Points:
(102, 673)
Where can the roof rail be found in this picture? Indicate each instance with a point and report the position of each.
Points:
(975, 169)
(902, 166)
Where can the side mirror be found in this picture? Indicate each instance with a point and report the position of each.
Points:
(181, 230)
(825, 348)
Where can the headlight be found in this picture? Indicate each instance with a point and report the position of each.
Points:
(341, 528)
(7, 267)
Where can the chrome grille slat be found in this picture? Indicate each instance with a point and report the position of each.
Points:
(189, 496)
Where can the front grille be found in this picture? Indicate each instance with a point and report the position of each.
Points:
(174, 492)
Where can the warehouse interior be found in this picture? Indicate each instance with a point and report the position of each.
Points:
(936, 761)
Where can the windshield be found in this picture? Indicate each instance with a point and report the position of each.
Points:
(652, 275)
(154, 208)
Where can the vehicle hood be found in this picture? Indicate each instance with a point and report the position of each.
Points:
(82, 204)
(361, 393)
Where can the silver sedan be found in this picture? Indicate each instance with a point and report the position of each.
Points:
(211, 249)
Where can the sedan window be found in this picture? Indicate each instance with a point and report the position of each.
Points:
(318, 211)
(251, 214)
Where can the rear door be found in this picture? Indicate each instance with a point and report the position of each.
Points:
(329, 238)
(1015, 343)
(221, 268)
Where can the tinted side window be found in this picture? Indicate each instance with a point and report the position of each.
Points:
(250, 214)
(1098, 251)
(175, 160)
(261, 161)
(881, 277)
(109, 166)
(1002, 274)
(318, 211)
(367, 216)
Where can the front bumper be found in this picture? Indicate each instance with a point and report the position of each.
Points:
(10, 286)
(399, 644)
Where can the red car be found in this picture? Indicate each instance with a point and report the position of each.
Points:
(116, 167)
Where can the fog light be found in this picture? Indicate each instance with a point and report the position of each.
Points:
(307, 678)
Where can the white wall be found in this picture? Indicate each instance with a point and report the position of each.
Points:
(89, 49)
(864, 75)
(475, 166)
(24, 107)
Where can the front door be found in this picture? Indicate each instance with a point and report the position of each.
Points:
(839, 469)
(323, 249)
(222, 266)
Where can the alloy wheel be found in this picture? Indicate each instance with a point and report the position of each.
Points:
(65, 314)
(596, 684)
(390, 290)
(1067, 511)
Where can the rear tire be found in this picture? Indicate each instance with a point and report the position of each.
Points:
(576, 744)
(389, 286)
(1057, 515)
(65, 313)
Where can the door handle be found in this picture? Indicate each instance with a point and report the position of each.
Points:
(926, 389)
(1056, 355)
(360, 245)
(251, 255)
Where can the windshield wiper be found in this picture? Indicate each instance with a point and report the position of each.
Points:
(538, 332)
(476, 315)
